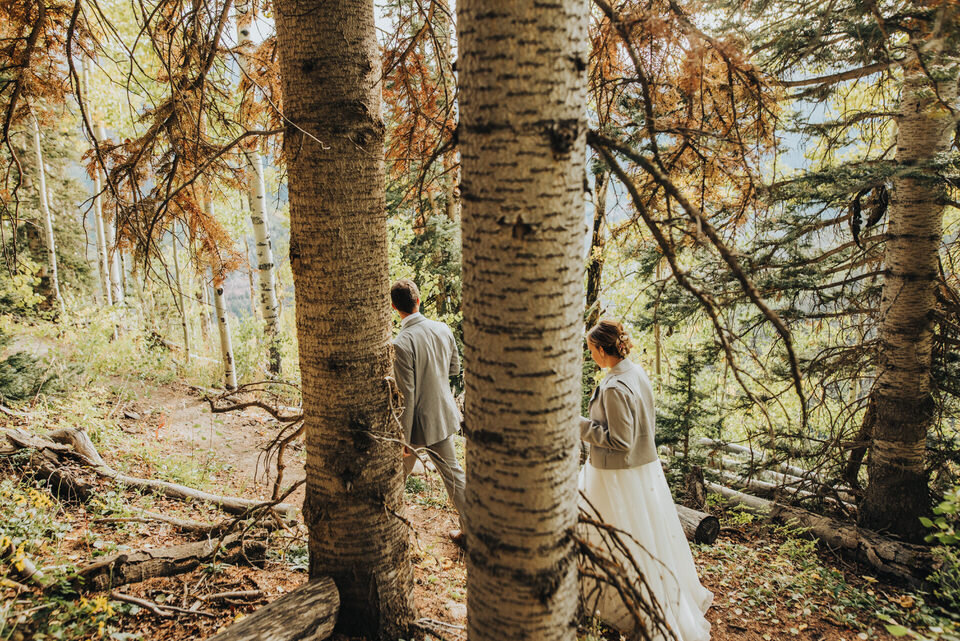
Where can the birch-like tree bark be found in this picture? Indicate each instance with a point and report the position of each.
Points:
(595, 257)
(522, 132)
(331, 73)
(250, 269)
(897, 494)
(47, 219)
(258, 213)
(204, 299)
(113, 252)
(102, 261)
(182, 301)
(223, 326)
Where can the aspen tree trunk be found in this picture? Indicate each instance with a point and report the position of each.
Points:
(182, 301)
(204, 298)
(258, 213)
(47, 219)
(897, 493)
(223, 323)
(450, 169)
(523, 122)
(102, 263)
(226, 346)
(330, 67)
(253, 289)
(597, 241)
(113, 253)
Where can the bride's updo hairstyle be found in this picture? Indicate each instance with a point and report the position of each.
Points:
(610, 336)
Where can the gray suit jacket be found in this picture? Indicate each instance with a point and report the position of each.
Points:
(620, 430)
(425, 358)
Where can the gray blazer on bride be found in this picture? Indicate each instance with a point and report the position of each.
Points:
(620, 430)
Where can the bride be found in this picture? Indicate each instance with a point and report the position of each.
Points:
(624, 483)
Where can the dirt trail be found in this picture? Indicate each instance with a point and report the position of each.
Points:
(180, 418)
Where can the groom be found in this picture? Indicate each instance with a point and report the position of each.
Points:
(425, 359)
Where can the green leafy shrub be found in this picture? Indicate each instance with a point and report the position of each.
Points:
(945, 526)
(23, 375)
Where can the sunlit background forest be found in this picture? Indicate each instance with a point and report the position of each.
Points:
(769, 207)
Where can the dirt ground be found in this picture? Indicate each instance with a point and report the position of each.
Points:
(178, 419)
(751, 602)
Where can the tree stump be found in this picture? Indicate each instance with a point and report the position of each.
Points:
(696, 492)
(698, 527)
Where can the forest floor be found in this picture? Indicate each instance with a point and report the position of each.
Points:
(768, 582)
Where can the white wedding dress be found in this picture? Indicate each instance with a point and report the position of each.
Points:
(637, 500)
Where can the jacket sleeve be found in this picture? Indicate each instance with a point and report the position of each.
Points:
(454, 356)
(618, 432)
(403, 373)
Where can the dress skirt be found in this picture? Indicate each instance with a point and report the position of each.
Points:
(637, 500)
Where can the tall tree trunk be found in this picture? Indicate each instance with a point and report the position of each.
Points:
(523, 121)
(47, 219)
(182, 300)
(102, 267)
(597, 242)
(113, 252)
(253, 290)
(897, 493)
(223, 323)
(657, 338)
(258, 213)
(330, 67)
(226, 345)
(204, 298)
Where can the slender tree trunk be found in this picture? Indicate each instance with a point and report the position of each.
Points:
(102, 260)
(523, 124)
(47, 219)
(113, 252)
(897, 493)
(253, 289)
(258, 214)
(182, 302)
(226, 345)
(450, 168)
(204, 298)
(330, 67)
(223, 323)
(597, 242)
(657, 339)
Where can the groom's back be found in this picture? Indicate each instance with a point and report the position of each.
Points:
(429, 349)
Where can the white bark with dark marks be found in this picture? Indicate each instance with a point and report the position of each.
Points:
(269, 310)
(47, 220)
(522, 132)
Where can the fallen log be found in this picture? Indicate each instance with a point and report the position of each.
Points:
(133, 567)
(184, 525)
(759, 457)
(905, 561)
(767, 488)
(307, 614)
(192, 526)
(76, 443)
(698, 527)
(161, 610)
(64, 481)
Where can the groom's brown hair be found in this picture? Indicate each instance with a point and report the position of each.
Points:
(404, 295)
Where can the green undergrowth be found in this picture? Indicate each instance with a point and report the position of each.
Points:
(33, 530)
(776, 576)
